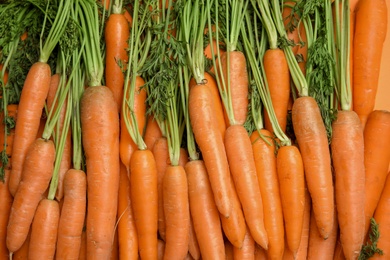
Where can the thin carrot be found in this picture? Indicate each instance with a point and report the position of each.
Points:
(72, 217)
(366, 61)
(44, 230)
(247, 251)
(35, 180)
(193, 245)
(5, 208)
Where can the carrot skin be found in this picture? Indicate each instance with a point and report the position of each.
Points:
(143, 180)
(31, 103)
(72, 217)
(247, 251)
(243, 169)
(22, 252)
(152, 132)
(5, 209)
(193, 245)
(204, 212)
(36, 176)
(313, 143)
(100, 124)
(44, 230)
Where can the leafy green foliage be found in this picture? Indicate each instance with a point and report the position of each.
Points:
(371, 247)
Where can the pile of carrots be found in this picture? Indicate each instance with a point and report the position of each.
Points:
(193, 129)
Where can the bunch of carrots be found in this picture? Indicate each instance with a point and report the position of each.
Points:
(193, 129)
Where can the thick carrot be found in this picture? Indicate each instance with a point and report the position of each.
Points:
(278, 78)
(127, 145)
(376, 159)
(265, 161)
(211, 144)
(381, 217)
(243, 169)
(292, 193)
(152, 132)
(204, 212)
(37, 171)
(367, 53)
(193, 245)
(72, 217)
(347, 147)
(176, 212)
(127, 232)
(143, 180)
(5, 208)
(247, 251)
(311, 135)
(31, 103)
(44, 230)
(100, 135)
(116, 34)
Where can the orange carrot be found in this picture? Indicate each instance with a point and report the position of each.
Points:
(376, 159)
(152, 132)
(311, 135)
(348, 160)
(116, 36)
(5, 208)
(72, 217)
(367, 54)
(143, 180)
(260, 253)
(193, 245)
(31, 103)
(44, 230)
(115, 247)
(176, 212)
(37, 171)
(265, 160)
(204, 212)
(83, 246)
(100, 135)
(22, 252)
(247, 251)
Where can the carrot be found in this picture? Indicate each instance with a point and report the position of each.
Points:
(243, 169)
(376, 159)
(278, 77)
(152, 132)
(116, 35)
(313, 144)
(347, 147)
(292, 193)
(22, 252)
(99, 121)
(265, 160)
(127, 145)
(72, 217)
(338, 251)
(31, 103)
(204, 211)
(193, 245)
(209, 139)
(5, 208)
(143, 180)
(260, 253)
(44, 230)
(381, 217)
(176, 212)
(83, 246)
(115, 247)
(247, 251)
(35, 180)
(367, 53)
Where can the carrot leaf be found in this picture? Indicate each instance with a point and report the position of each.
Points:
(371, 247)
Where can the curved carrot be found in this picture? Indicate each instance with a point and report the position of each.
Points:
(367, 53)
(36, 174)
(247, 251)
(278, 77)
(44, 230)
(100, 135)
(152, 132)
(347, 147)
(265, 161)
(176, 212)
(143, 180)
(71, 223)
(31, 103)
(311, 135)
(204, 212)
(376, 159)
(209, 139)
(243, 169)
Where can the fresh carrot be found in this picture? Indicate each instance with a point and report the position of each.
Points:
(44, 230)
(83, 246)
(381, 217)
(176, 212)
(347, 147)
(367, 61)
(5, 208)
(72, 217)
(22, 252)
(152, 132)
(193, 245)
(247, 251)
(116, 36)
(204, 213)
(35, 180)
(143, 180)
(313, 144)
(376, 159)
(265, 160)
